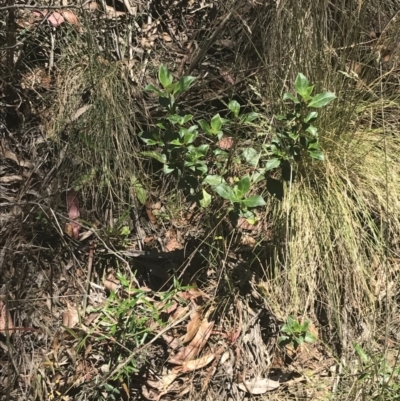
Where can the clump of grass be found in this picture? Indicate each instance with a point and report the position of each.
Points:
(95, 118)
(335, 230)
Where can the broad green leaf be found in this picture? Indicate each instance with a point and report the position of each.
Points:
(183, 84)
(311, 116)
(251, 156)
(313, 144)
(152, 88)
(205, 126)
(301, 84)
(322, 99)
(249, 117)
(272, 163)
(234, 107)
(216, 124)
(309, 337)
(243, 186)
(317, 154)
(164, 76)
(312, 130)
(155, 155)
(288, 96)
(213, 180)
(206, 200)
(167, 169)
(253, 201)
(189, 137)
(203, 149)
(225, 191)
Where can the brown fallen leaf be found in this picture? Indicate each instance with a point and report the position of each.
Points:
(11, 178)
(73, 211)
(190, 366)
(258, 386)
(172, 245)
(196, 345)
(6, 322)
(111, 283)
(70, 317)
(225, 143)
(192, 327)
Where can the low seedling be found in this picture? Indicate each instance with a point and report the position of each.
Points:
(295, 333)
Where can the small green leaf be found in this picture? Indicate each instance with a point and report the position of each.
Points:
(216, 124)
(234, 107)
(243, 186)
(251, 156)
(311, 116)
(164, 76)
(312, 130)
(309, 337)
(288, 96)
(183, 84)
(205, 126)
(206, 200)
(317, 154)
(301, 84)
(213, 180)
(361, 353)
(152, 88)
(253, 201)
(273, 163)
(249, 117)
(322, 100)
(225, 191)
(155, 155)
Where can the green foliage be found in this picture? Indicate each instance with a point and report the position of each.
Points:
(190, 150)
(379, 380)
(295, 136)
(127, 319)
(295, 333)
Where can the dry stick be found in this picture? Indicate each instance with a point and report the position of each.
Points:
(37, 7)
(209, 42)
(144, 347)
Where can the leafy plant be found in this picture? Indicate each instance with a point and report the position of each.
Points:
(296, 135)
(128, 318)
(295, 333)
(379, 379)
(189, 154)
